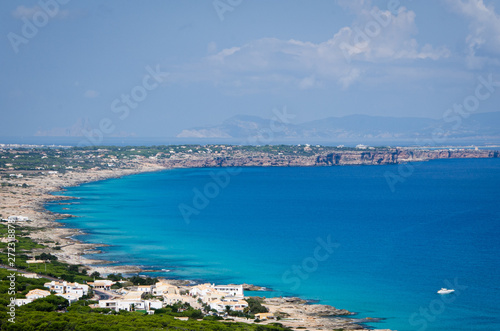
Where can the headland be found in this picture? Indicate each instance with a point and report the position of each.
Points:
(31, 175)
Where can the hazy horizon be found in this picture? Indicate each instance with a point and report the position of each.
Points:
(155, 69)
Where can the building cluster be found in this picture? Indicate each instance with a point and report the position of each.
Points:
(219, 297)
(15, 218)
(69, 291)
(148, 297)
(163, 293)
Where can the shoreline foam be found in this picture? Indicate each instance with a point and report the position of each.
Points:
(32, 201)
(72, 251)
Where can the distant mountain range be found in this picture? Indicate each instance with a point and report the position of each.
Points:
(360, 128)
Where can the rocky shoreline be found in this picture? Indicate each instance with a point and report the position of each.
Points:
(46, 229)
(30, 201)
(338, 158)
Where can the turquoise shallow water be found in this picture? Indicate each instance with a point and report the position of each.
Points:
(339, 235)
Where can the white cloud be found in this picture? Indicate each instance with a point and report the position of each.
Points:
(483, 40)
(27, 12)
(380, 35)
(212, 47)
(347, 79)
(307, 83)
(91, 94)
(375, 36)
(354, 5)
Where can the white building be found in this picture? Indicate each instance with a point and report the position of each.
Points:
(171, 299)
(16, 218)
(129, 305)
(133, 295)
(78, 291)
(65, 287)
(29, 275)
(231, 290)
(118, 305)
(37, 294)
(200, 290)
(144, 288)
(31, 296)
(206, 292)
(234, 304)
(154, 304)
(102, 284)
(210, 292)
(21, 302)
(163, 287)
(71, 297)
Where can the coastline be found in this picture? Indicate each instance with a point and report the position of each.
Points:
(46, 228)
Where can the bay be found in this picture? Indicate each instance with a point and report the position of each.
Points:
(376, 240)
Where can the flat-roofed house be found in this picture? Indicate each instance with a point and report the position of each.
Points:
(171, 299)
(234, 304)
(71, 297)
(130, 305)
(209, 292)
(17, 218)
(21, 302)
(31, 296)
(162, 288)
(206, 292)
(264, 316)
(37, 294)
(54, 286)
(29, 275)
(231, 290)
(144, 288)
(133, 295)
(65, 287)
(102, 284)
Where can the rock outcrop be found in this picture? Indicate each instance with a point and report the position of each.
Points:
(397, 156)
(251, 287)
(347, 157)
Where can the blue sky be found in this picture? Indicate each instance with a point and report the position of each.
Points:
(195, 63)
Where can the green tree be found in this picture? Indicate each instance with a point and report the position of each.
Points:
(73, 268)
(115, 277)
(255, 306)
(49, 303)
(46, 256)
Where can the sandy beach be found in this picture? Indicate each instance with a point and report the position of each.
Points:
(44, 228)
(29, 201)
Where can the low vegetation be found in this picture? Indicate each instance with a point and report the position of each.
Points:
(35, 160)
(54, 313)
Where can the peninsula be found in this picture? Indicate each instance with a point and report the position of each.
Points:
(29, 175)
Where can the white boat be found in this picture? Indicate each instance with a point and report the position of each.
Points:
(445, 291)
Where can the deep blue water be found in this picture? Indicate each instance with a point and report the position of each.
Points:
(384, 252)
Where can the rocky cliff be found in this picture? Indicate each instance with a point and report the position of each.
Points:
(398, 156)
(350, 157)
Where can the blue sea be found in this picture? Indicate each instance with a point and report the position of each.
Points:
(376, 240)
